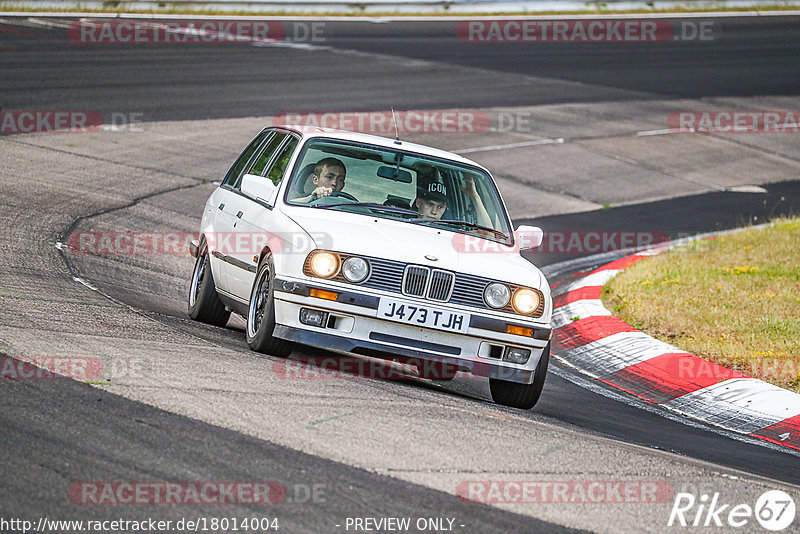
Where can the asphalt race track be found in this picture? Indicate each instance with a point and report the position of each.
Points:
(751, 56)
(579, 141)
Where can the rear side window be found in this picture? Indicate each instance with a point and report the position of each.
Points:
(237, 170)
(279, 164)
(266, 154)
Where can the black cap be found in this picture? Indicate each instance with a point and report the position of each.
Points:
(433, 191)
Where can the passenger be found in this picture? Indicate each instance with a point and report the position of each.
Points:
(329, 175)
(431, 200)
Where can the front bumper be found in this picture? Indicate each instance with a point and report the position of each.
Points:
(357, 329)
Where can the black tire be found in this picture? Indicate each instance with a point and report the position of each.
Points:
(261, 313)
(524, 396)
(204, 303)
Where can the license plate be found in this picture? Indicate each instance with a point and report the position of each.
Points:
(421, 315)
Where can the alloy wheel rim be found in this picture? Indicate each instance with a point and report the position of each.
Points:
(197, 278)
(258, 303)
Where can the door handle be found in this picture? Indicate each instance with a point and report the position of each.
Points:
(239, 215)
(221, 206)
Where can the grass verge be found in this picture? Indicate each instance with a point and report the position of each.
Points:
(734, 300)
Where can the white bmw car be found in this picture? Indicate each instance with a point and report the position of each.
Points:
(377, 247)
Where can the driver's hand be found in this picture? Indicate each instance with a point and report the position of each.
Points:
(321, 191)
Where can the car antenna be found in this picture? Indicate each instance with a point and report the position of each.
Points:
(396, 131)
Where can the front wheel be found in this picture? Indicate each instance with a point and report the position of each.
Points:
(204, 303)
(524, 396)
(261, 314)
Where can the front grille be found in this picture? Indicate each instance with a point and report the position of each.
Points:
(427, 283)
(415, 280)
(441, 285)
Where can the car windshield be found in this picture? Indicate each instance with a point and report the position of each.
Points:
(399, 185)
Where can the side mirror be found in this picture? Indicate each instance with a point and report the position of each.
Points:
(529, 237)
(259, 188)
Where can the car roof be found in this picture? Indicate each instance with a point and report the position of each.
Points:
(330, 133)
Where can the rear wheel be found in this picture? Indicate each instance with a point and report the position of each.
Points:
(204, 303)
(261, 315)
(517, 395)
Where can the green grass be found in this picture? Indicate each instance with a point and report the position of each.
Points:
(734, 300)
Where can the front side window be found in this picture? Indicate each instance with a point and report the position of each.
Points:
(400, 185)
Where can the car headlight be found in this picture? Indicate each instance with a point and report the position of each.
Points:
(355, 269)
(325, 264)
(497, 295)
(525, 300)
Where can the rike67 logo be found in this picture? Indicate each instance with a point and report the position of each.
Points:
(774, 510)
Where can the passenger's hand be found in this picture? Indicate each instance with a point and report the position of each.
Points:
(469, 188)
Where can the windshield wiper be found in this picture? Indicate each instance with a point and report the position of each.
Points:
(465, 224)
(371, 205)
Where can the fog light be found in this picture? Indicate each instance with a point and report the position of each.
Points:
(516, 355)
(313, 317)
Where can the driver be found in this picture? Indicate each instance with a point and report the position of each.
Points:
(329, 175)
